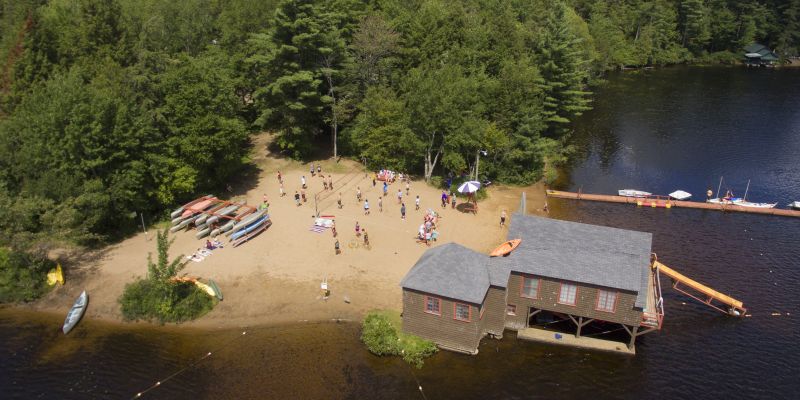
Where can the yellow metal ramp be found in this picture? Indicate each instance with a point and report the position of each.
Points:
(735, 307)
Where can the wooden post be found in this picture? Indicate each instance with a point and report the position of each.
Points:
(633, 336)
(580, 325)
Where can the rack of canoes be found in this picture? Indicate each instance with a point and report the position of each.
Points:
(211, 217)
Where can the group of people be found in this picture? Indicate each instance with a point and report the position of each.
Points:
(427, 230)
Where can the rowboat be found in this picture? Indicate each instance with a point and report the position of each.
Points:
(633, 193)
(183, 208)
(247, 221)
(252, 233)
(505, 248)
(76, 312)
(680, 195)
(253, 225)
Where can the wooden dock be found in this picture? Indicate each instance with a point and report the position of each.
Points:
(662, 202)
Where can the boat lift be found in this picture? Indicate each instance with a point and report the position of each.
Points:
(703, 294)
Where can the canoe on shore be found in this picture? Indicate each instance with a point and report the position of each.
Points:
(505, 248)
(76, 312)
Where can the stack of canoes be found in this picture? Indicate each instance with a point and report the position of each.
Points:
(191, 212)
(204, 226)
(250, 231)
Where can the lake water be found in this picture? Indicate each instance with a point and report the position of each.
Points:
(661, 130)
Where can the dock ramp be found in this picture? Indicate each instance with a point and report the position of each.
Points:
(703, 294)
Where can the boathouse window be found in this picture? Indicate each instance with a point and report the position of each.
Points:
(511, 309)
(530, 288)
(433, 305)
(567, 294)
(606, 301)
(461, 312)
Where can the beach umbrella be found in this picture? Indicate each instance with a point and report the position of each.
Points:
(469, 187)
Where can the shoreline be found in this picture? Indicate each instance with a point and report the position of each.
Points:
(275, 278)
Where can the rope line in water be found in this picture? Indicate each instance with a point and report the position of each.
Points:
(191, 365)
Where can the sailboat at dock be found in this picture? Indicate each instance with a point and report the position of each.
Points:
(729, 199)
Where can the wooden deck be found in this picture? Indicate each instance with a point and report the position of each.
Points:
(566, 339)
(665, 203)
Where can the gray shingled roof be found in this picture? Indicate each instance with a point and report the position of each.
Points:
(450, 270)
(597, 255)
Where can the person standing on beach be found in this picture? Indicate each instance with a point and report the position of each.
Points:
(399, 196)
(444, 199)
(366, 238)
(297, 198)
(417, 202)
(330, 182)
(280, 178)
(373, 181)
(339, 202)
(385, 188)
(402, 210)
(324, 183)
(358, 193)
(408, 188)
(319, 169)
(336, 247)
(453, 200)
(366, 206)
(303, 194)
(312, 170)
(380, 204)
(303, 181)
(503, 218)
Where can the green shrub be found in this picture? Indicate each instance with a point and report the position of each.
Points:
(157, 297)
(23, 276)
(382, 336)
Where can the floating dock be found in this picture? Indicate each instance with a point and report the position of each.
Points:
(665, 202)
(568, 339)
(735, 307)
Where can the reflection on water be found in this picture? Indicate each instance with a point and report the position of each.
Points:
(656, 131)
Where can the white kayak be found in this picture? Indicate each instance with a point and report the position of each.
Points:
(633, 193)
(76, 312)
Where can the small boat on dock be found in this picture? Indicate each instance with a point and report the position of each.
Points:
(633, 193)
(76, 312)
(680, 195)
(737, 201)
(795, 205)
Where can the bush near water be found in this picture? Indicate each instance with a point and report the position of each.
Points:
(381, 333)
(157, 298)
(23, 275)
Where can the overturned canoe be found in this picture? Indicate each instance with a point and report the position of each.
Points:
(76, 312)
(246, 222)
(505, 248)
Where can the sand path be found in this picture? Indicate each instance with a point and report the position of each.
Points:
(275, 278)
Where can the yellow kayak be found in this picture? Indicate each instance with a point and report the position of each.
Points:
(206, 288)
(56, 275)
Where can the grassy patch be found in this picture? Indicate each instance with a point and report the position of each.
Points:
(383, 335)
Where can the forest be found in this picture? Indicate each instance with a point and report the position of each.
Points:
(111, 108)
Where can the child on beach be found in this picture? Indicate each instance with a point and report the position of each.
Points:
(403, 211)
(297, 198)
(312, 169)
(303, 194)
(503, 218)
(408, 188)
(417, 202)
(385, 188)
(282, 192)
(366, 238)
(324, 183)
(444, 199)
(330, 182)
(303, 181)
(339, 202)
(358, 229)
(358, 193)
(280, 178)
(366, 206)
(319, 169)
(333, 229)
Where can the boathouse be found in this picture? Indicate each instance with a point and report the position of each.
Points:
(758, 55)
(563, 272)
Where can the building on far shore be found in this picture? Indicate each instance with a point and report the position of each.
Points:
(758, 55)
(563, 273)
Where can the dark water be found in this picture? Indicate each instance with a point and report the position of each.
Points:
(656, 131)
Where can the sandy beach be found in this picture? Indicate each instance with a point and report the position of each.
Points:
(275, 278)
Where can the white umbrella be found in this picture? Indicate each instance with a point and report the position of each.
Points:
(469, 187)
